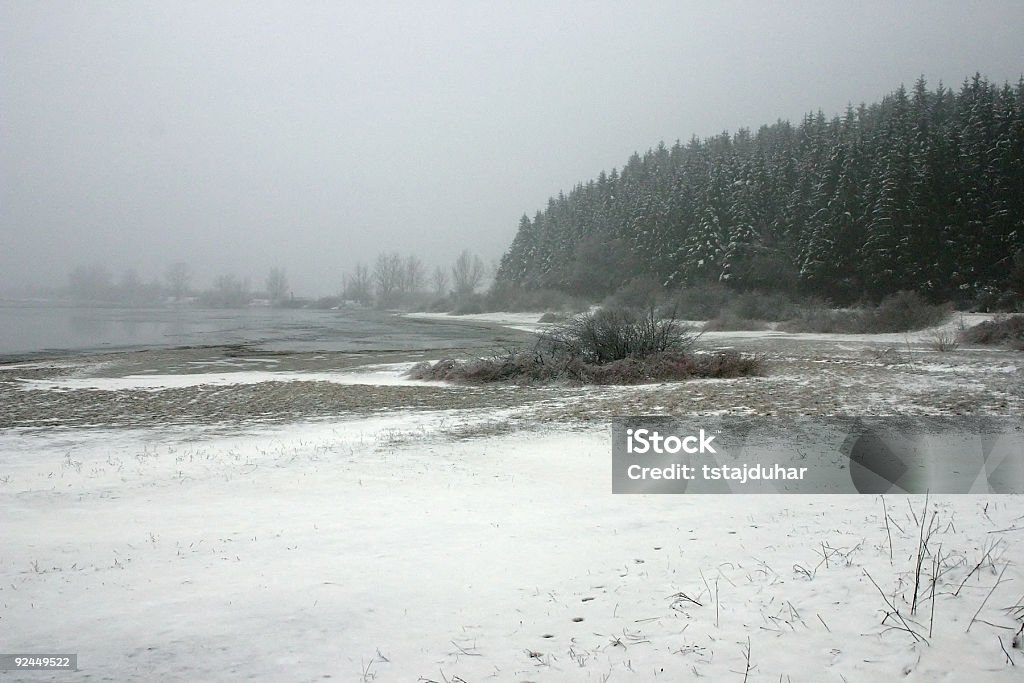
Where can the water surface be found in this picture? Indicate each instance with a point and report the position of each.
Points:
(32, 328)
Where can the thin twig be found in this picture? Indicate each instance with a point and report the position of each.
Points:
(888, 532)
(977, 566)
(464, 651)
(705, 582)
(912, 513)
(895, 611)
(683, 596)
(1008, 657)
(716, 603)
(935, 579)
(920, 554)
(991, 591)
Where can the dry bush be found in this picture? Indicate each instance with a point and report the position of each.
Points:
(552, 317)
(699, 302)
(825, 320)
(613, 346)
(512, 298)
(1002, 330)
(770, 306)
(512, 366)
(639, 293)
(612, 334)
(905, 312)
(900, 312)
(529, 367)
(943, 341)
(468, 304)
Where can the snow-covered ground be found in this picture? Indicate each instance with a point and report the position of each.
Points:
(382, 374)
(380, 549)
(527, 322)
(530, 322)
(482, 542)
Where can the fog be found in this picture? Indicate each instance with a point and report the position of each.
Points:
(238, 137)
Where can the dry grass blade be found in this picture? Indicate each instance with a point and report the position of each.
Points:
(989, 595)
(683, 597)
(893, 611)
(1003, 647)
(888, 531)
(984, 556)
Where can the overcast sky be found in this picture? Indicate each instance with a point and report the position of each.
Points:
(310, 135)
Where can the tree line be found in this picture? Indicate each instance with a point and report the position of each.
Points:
(96, 284)
(393, 281)
(921, 191)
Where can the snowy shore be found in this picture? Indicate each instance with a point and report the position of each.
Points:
(380, 549)
(438, 538)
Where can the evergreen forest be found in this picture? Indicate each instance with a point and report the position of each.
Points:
(922, 191)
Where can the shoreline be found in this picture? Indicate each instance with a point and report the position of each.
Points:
(247, 384)
(207, 513)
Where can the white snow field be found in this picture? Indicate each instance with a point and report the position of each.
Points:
(380, 374)
(526, 321)
(452, 542)
(382, 549)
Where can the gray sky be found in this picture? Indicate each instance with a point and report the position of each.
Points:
(310, 135)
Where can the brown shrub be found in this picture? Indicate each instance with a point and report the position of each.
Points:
(532, 367)
(1002, 330)
(612, 334)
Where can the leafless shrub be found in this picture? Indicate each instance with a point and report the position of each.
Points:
(615, 346)
(528, 367)
(614, 334)
(905, 312)
(900, 312)
(943, 340)
(1002, 330)
(825, 320)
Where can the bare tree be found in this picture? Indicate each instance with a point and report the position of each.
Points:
(229, 291)
(467, 273)
(415, 274)
(277, 285)
(130, 281)
(388, 276)
(130, 288)
(91, 283)
(178, 277)
(440, 281)
(359, 286)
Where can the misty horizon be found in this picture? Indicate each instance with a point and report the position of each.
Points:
(241, 138)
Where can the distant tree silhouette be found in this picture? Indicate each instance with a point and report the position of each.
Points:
(467, 273)
(178, 278)
(277, 285)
